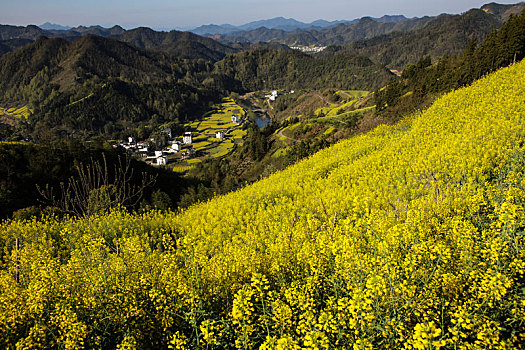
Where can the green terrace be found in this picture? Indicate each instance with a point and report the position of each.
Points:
(18, 113)
(204, 132)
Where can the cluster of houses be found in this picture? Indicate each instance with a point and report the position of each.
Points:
(308, 49)
(140, 148)
(273, 96)
(132, 146)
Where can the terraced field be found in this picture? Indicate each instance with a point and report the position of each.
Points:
(351, 98)
(18, 113)
(205, 130)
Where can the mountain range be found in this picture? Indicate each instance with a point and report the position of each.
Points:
(214, 42)
(167, 76)
(284, 24)
(340, 34)
(53, 26)
(176, 43)
(443, 35)
(491, 16)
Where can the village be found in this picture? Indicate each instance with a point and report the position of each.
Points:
(214, 135)
(178, 149)
(314, 49)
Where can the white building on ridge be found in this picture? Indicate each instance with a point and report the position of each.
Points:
(187, 139)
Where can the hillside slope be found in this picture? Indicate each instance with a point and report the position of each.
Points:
(444, 35)
(175, 43)
(409, 236)
(262, 68)
(64, 83)
(343, 34)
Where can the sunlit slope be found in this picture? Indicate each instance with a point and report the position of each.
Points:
(410, 236)
(439, 159)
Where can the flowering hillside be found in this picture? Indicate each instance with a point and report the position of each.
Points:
(410, 236)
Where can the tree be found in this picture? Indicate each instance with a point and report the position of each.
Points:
(96, 190)
(161, 200)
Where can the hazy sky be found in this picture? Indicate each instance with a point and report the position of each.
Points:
(192, 13)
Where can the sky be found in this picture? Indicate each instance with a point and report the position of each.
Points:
(185, 14)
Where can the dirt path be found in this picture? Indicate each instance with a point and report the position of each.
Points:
(280, 133)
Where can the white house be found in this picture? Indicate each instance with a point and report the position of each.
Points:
(162, 160)
(158, 154)
(187, 138)
(143, 152)
(131, 140)
(176, 146)
(236, 119)
(273, 96)
(219, 134)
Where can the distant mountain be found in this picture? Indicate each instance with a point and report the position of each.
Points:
(368, 28)
(98, 30)
(321, 23)
(503, 12)
(53, 26)
(30, 32)
(283, 24)
(178, 44)
(258, 35)
(214, 29)
(443, 35)
(390, 19)
(340, 34)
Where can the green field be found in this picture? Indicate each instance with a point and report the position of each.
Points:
(351, 97)
(19, 113)
(343, 117)
(218, 119)
(182, 169)
(352, 94)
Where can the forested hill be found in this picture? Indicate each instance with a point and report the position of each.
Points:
(177, 44)
(267, 69)
(68, 64)
(64, 82)
(368, 28)
(342, 34)
(445, 35)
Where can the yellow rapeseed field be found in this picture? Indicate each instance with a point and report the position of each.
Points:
(408, 237)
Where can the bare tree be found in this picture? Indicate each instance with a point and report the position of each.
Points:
(93, 190)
